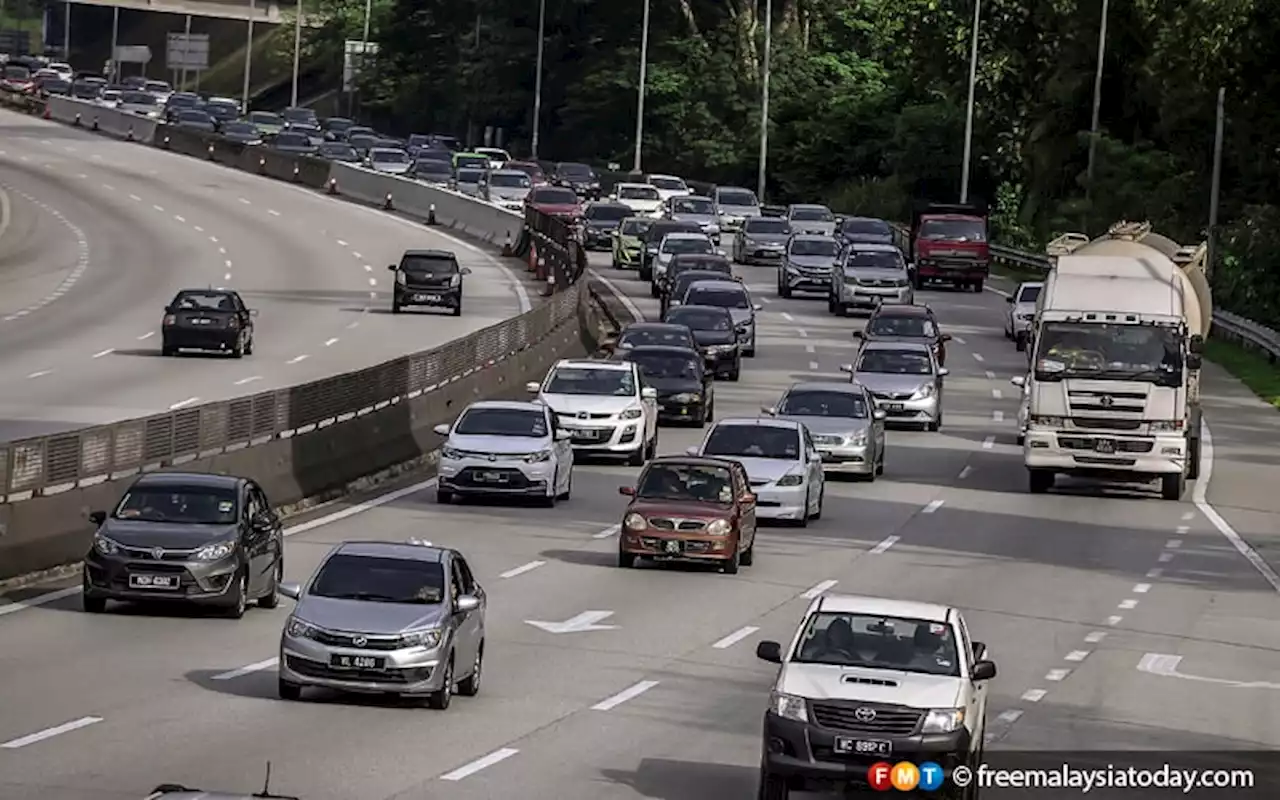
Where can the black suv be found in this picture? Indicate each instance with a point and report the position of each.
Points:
(428, 278)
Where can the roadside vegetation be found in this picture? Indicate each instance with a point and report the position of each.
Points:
(1252, 368)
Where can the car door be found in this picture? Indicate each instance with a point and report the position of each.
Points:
(746, 510)
(814, 462)
(468, 625)
(561, 447)
(976, 702)
(275, 535)
(254, 538)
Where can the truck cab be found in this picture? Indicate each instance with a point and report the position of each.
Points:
(950, 244)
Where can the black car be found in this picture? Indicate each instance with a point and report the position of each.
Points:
(651, 240)
(578, 177)
(336, 127)
(186, 537)
(437, 173)
(906, 324)
(245, 133)
(194, 119)
(685, 386)
(640, 334)
(222, 110)
(207, 319)
(296, 144)
(55, 86)
(690, 262)
(428, 278)
(180, 101)
(712, 329)
(601, 222)
(675, 296)
(864, 230)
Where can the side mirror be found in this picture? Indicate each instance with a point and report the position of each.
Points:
(1194, 361)
(858, 335)
(290, 590)
(946, 337)
(629, 491)
(943, 372)
(465, 271)
(532, 388)
(770, 651)
(563, 435)
(263, 522)
(648, 393)
(984, 670)
(97, 517)
(693, 451)
(1019, 381)
(979, 650)
(880, 414)
(1009, 300)
(442, 429)
(770, 410)
(467, 602)
(846, 368)
(392, 267)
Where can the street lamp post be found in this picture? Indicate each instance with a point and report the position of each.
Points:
(764, 100)
(297, 52)
(968, 114)
(1216, 187)
(537, 81)
(248, 57)
(1097, 101)
(644, 70)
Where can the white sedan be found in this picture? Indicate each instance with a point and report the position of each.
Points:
(783, 466)
(504, 448)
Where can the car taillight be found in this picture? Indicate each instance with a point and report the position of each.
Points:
(170, 319)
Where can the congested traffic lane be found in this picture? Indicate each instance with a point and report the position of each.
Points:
(314, 267)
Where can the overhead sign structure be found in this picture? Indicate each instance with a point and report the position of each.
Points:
(188, 51)
(15, 42)
(353, 53)
(133, 54)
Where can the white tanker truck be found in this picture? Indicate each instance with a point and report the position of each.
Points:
(1114, 384)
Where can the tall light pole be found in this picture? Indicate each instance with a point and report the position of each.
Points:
(1097, 101)
(248, 57)
(537, 81)
(1216, 188)
(115, 43)
(297, 52)
(764, 100)
(186, 49)
(66, 34)
(968, 113)
(644, 73)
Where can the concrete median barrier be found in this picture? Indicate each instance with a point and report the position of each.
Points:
(109, 121)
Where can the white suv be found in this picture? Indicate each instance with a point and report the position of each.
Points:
(505, 448)
(866, 681)
(604, 406)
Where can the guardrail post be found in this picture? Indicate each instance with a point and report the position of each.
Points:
(295, 173)
(209, 152)
(129, 134)
(387, 204)
(332, 186)
(76, 122)
(95, 122)
(165, 142)
(262, 166)
(431, 214)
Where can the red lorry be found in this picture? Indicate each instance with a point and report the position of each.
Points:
(949, 244)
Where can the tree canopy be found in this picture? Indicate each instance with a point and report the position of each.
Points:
(868, 104)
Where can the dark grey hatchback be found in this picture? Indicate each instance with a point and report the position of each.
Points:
(186, 537)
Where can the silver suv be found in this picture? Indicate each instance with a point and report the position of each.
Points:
(405, 618)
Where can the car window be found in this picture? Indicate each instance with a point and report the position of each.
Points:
(697, 482)
(953, 230)
(673, 244)
(813, 247)
(508, 180)
(766, 226)
(643, 336)
(460, 578)
(554, 195)
(866, 227)
(736, 197)
(667, 365)
(389, 157)
(635, 227)
(872, 259)
(475, 176)
(638, 193)
(877, 642)
(895, 362)
(588, 381)
(692, 205)
(699, 319)
(816, 403)
(894, 325)
(753, 441)
(1028, 294)
(670, 184)
(812, 215)
(724, 298)
(192, 505)
(428, 265)
(464, 573)
(609, 213)
(530, 422)
(380, 579)
(205, 301)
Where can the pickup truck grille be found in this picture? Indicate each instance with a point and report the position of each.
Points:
(889, 720)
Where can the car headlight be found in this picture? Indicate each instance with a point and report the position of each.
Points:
(631, 413)
(858, 439)
(400, 277)
(1049, 422)
(923, 392)
(429, 639)
(455, 281)
(943, 720)
(687, 397)
(791, 480)
(298, 629)
(722, 348)
(635, 522)
(450, 453)
(788, 706)
(105, 546)
(216, 551)
(719, 527)
(540, 456)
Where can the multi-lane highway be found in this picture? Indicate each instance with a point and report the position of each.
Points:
(104, 233)
(1071, 592)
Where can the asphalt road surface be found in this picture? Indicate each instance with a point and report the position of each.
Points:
(105, 232)
(1071, 592)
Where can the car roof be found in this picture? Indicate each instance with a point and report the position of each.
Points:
(916, 346)
(777, 220)
(720, 283)
(652, 326)
(759, 422)
(1026, 284)
(592, 204)
(697, 307)
(883, 606)
(874, 247)
(508, 405)
(865, 219)
(700, 276)
(633, 185)
(843, 387)
(685, 235)
(691, 197)
(431, 253)
(592, 363)
(400, 550)
(813, 237)
(706, 461)
(662, 175)
(386, 150)
(209, 479)
(808, 207)
(195, 290)
(512, 172)
(733, 189)
(904, 311)
(665, 349)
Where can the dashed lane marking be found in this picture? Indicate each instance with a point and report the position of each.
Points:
(522, 569)
(49, 733)
(247, 669)
(885, 544)
(331, 342)
(735, 637)
(41, 373)
(190, 401)
(106, 352)
(298, 359)
(146, 336)
(933, 506)
(817, 590)
(479, 764)
(630, 693)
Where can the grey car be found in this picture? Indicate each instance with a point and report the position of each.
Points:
(864, 230)
(735, 206)
(734, 296)
(868, 276)
(392, 161)
(297, 144)
(431, 172)
(847, 428)
(806, 264)
(386, 617)
(904, 379)
(811, 218)
(508, 188)
(701, 211)
(1021, 313)
(470, 182)
(761, 240)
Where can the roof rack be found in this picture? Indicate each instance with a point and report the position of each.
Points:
(1066, 244)
(1129, 230)
(1191, 253)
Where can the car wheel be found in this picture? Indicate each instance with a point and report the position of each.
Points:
(1020, 343)
(822, 495)
(803, 522)
(772, 787)
(626, 560)
(444, 497)
(750, 353)
(735, 373)
(248, 346)
(651, 450)
(1172, 487)
(1040, 481)
(457, 310)
(239, 598)
(831, 304)
(237, 350)
(548, 500)
(470, 685)
(977, 285)
(272, 598)
(636, 459)
(568, 487)
(730, 565)
(879, 470)
(93, 605)
(166, 350)
(439, 699)
(395, 307)
(784, 291)
(288, 691)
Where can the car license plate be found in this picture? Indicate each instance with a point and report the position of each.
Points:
(494, 477)
(1104, 445)
(863, 747)
(427, 298)
(672, 547)
(201, 321)
(343, 661)
(895, 406)
(583, 436)
(153, 581)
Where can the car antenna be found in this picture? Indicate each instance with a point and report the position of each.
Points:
(266, 789)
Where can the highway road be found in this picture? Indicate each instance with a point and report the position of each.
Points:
(1071, 592)
(104, 234)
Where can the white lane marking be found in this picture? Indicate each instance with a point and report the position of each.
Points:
(964, 473)
(247, 669)
(522, 569)
(735, 637)
(1199, 497)
(1011, 716)
(298, 359)
(184, 403)
(158, 208)
(374, 282)
(1095, 637)
(360, 508)
(1173, 544)
(623, 696)
(368, 268)
(198, 229)
(996, 394)
(815, 591)
(808, 348)
(249, 379)
(222, 251)
(1141, 588)
(813, 365)
(273, 212)
(49, 733)
(889, 541)
(342, 243)
(1128, 604)
(988, 443)
(40, 374)
(106, 352)
(802, 333)
(933, 506)
(484, 762)
(997, 416)
(1154, 573)
(227, 277)
(1183, 530)
(991, 376)
(765, 300)
(978, 357)
(1034, 695)
(351, 325)
(227, 262)
(1114, 620)
(246, 201)
(357, 256)
(612, 530)
(146, 335)
(1057, 675)
(38, 600)
(213, 239)
(108, 187)
(1076, 655)
(330, 342)
(82, 176)
(1189, 515)
(627, 302)
(1165, 558)
(135, 198)
(179, 218)
(788, 317)
(958, 340)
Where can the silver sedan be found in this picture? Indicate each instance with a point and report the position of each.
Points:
(904, 378)
(846, 427)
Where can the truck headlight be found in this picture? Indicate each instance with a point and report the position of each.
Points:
(635, 522)
(1049, 422)
(788, 706)
(1167, 425)
(943, 720)
(719, 527)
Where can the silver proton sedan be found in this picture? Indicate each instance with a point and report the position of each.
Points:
(847, 428)
(905, 380)
(867, 276)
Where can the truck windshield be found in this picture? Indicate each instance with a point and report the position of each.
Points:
(1109, 352)
(953, 230)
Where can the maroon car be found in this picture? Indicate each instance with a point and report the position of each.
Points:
(556, 201)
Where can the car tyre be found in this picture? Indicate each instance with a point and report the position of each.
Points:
(822, 496)
(93, 605)
(748, 556)
(653, 290)
(730, 565)
(784, 291)
(772, 787)
(167, 350)
(568, 488)
(735, 373)
(626, 560)
(1173, 486)
(831, 304)
(248, 346)
(444, 497)
(750, 353)
(1193, 458)
(879, 470)
(237, 350)
(1020, 343)
(457, 310)
(1040, 481)
(636, 459)
(239, 598)
(470, 685)
(395, 307)
(288, 691)
(272, 598)
(440, 699)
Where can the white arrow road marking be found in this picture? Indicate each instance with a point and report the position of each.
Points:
(1166, 666)
(586, 621)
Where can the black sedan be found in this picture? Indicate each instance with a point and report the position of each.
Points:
(713, 330)
(207, 319)
(685, 386)
(186, 537)
(600, 222)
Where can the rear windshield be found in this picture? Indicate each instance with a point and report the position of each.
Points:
(812, 215)
(507, 180)
(475, 162)
(736, 197)
(555, 196)
(575, 170)
(138, 99)
(204, 301)
(725, 298)
(635, 227)
(609, 213)
(813, 247)
(767, 225)
(390, 157)
(693, 205)
(867, 227)
(700, 319)
(638, 193)
(435, 265)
